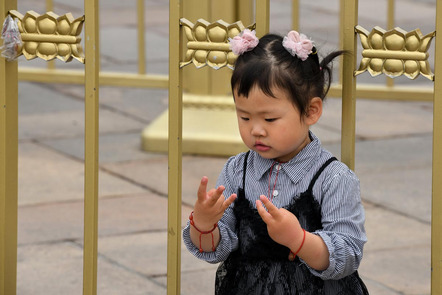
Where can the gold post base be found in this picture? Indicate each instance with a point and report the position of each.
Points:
(209, 128)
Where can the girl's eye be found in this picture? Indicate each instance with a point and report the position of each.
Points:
(271, 120)
(244, 118)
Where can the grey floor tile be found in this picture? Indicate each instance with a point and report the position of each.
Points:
(55, 222)
(53, 269)
(70, 124)
(42, 99)
(146, 253)
(387, 230)
(113, 148)
(46, 176)
(405, 270)
(153, 173)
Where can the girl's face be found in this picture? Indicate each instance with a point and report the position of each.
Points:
(272, 126)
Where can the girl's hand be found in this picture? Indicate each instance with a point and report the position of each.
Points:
(282, 225)
(210, 206)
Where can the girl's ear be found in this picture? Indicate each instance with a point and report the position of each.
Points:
(314, 111)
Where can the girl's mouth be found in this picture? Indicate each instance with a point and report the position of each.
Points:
(261, 147)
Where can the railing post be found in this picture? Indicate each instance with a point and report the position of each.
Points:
(8, 167)
(350, 14)
(436, 207)
(262, 17)
(91, 147)
(141, 39)
(296, 13)
(174, 150)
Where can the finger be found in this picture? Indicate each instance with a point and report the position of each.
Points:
(263, 212)
(202, 189)
(229, 201)
(272, 209)
(215, 195)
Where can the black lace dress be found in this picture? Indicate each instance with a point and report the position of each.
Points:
(261, 266)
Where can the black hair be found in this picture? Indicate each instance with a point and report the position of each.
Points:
(269, 65)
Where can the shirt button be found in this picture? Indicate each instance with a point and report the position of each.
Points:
(278, 167)
(275, 193)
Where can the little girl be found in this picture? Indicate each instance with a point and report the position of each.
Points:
(309, 237)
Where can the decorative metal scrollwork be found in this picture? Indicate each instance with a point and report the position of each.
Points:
(208, 43)
(395, 52)
(50, 36)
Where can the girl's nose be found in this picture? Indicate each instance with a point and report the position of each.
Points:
(258, 130)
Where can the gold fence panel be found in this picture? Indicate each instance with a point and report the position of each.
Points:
(92, 78)
(217, 55)
(57, 37)
(396, 53)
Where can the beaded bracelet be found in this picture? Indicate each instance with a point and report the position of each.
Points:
(203, 232)
(299, 249)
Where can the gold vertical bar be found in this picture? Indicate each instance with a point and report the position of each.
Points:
(175, 150)
(350, 14)
(341, 38)
(50, 7)
(390, 26)
(245, 11)
(91, 147)
(141, 39)
(262, 17)
(8, 167)
(295, 15)
(436, 208)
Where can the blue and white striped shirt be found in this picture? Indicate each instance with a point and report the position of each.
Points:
(336, 189)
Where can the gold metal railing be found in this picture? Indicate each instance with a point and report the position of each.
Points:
(92, 78)
(348, 131)
(349, 93)
(91, 101)
(397, 53)
(175, 150)
(8, 168)
(63, 47)
(176, 22)
(436, 207)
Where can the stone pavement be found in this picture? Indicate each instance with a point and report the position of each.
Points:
(393, 162)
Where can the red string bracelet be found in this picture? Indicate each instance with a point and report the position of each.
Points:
(203, 232)
(299, 249)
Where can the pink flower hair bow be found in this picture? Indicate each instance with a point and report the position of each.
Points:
(243, 42)
(298, 45)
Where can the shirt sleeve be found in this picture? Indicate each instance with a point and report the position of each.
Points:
(228, 238)
(343, 230)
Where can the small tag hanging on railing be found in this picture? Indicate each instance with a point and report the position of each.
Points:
(12, 42)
